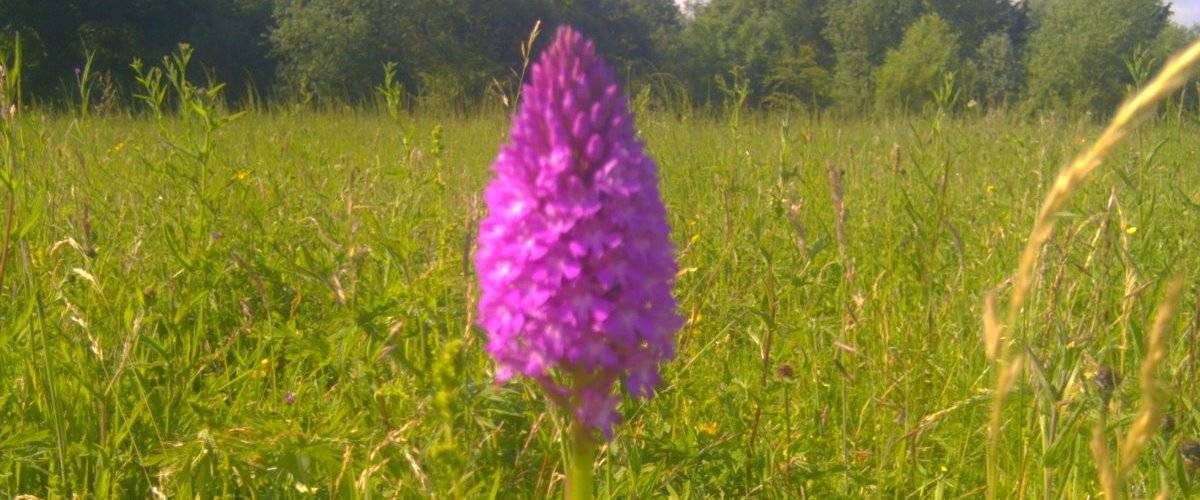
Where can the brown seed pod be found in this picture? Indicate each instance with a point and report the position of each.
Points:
(1190, 450)
(1106, 381)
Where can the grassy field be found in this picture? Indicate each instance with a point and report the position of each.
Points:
(283, 306)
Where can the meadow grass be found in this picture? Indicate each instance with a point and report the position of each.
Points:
(284, 307)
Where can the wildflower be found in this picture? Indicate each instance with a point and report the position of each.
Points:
(289, 398)
(1131, 230)
(263, 369)
(574, 258)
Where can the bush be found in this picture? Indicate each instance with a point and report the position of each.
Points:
(861, 32)
(325, 45)
(797, 79)
(911, 72)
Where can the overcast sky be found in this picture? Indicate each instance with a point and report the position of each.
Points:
(1187, 12)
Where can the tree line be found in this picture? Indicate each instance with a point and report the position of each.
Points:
(845, 55)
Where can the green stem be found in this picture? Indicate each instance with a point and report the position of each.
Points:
(580, 457)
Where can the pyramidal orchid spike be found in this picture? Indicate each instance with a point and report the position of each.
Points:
(575, 262)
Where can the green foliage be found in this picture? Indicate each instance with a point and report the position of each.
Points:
(998, 70)
(1170, 40)
(460, 55)
(153, 93)
(777, 46)
(85, 83)
(326, 45)
(391, 91)
(974, 21)
(10, 148)
(635, 35)
(227, 34)
(912, 72)
(796, 78)
(861, 32)
(1078, 51)
(450, 52)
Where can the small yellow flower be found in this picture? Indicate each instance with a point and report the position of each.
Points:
(709, 428)
(991, 189)
(117, 148)
(1131, 230)
(241, 175)
(264, 369)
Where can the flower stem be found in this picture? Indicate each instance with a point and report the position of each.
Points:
(580, 457)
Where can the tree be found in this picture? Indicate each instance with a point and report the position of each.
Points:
(861, 32)
(796, 78)
(998, 69)
(1170, 40)
(58, 35)
(633, 34)
(976, 20)
(341, 57)
(778, 47)
(337, 47)
(452, 46)
(1078, 49)
(910, 73)
(230, 38)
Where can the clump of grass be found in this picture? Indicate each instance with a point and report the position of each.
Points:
(10, 84)
(1173, 75)
(1150, 410)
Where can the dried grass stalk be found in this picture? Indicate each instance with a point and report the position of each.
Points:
(1173, 75)
(1150, 410)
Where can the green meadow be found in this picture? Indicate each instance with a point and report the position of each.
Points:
(282, 305)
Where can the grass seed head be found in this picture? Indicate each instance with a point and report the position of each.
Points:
(785, 371)
(1190, 450)
(1106, 381)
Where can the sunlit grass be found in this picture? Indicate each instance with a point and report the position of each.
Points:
(290, 316)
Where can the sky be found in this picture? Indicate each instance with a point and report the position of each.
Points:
(1187, 12)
